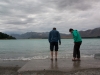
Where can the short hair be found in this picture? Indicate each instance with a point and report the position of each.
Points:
(54, 28)
(70, 29)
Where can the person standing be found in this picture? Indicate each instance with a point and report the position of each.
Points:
(77, 43)
(54, 37)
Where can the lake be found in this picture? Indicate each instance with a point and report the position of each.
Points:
(27, 49)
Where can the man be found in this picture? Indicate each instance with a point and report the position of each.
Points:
(54, 37)
(77, 44)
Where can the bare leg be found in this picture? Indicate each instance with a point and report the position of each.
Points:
(51, 54)
(56, 52)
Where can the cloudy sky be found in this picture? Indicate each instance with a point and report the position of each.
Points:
(20, 16)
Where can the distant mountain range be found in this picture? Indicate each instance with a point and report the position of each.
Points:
(93, 33)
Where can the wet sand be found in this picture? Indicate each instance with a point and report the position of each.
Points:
(87, 66)
(10, 67)
(60, 64)
(61, 67)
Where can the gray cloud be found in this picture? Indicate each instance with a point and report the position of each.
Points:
(74, 4)
(20, 21)
(42, 15)
(71, 4)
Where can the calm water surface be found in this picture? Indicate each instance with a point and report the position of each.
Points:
(28, 49)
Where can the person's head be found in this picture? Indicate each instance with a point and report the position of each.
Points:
(70, 30)
(54, 28)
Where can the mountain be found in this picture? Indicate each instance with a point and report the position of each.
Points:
(35, 35)
(6, 36)
(91, 33)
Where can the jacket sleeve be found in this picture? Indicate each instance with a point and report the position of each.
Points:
(59, 37)
(75, 36)
(49, 37)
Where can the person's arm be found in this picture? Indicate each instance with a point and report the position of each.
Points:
(49, 37)
(59, 38)
(74, 35)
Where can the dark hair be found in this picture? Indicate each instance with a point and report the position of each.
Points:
(70, 29)
(54, 28)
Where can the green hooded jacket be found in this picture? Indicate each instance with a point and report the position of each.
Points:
(76, 36)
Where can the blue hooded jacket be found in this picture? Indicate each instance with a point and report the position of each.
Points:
(54, 36)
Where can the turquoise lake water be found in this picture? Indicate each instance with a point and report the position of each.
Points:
(28, 49)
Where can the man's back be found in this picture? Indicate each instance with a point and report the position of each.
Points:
(54, 36)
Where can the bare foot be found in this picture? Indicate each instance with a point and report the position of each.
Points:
(78, 59)
(73, 59)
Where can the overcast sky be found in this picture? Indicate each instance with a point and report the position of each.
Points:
(20, 16)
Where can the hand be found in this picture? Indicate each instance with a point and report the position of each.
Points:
(59, 43)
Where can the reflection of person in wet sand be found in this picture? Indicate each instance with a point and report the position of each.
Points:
(76, 64)
(54, 65)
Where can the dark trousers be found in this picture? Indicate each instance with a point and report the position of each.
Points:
(76, 51)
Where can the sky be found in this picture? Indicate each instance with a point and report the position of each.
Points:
(21, 16)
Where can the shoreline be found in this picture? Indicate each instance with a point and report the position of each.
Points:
(14, 71)
(10, 67)
(47, 67)
(89, 71)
